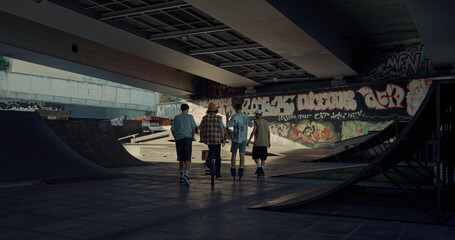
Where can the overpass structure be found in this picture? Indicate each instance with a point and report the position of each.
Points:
(175, 46)
(29, 87)
(322, 71)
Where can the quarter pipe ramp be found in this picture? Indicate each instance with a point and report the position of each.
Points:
(31, 151)
(95, 140)
(434, 118)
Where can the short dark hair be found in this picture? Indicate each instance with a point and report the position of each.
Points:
(184, 107)
(238, 106)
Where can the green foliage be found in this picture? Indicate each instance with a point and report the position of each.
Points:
(4, 64)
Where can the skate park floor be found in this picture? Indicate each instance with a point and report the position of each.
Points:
(151, 204)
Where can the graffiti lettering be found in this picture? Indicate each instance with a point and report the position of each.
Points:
(305, 116)
(327, 101)
(168, 110)
(355, 115)
(321, 115)
(223, 104)
(286, 118)
(403, 63)
(392, 97)
(279, 106)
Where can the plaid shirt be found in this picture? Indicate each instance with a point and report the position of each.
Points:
(210, 129)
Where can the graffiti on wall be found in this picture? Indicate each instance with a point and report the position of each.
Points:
(280, 129)
(223, 104)
(340, 100)
(169, 110)
(278, 106)
(351, 129)
(314, 117)
(392, 97)
(17, 105)
(118, 121)
(417, 90)
(217, 90)
(411, 62)
(312, 132)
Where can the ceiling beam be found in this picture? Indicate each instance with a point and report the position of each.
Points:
(190, 32)
(296, 79)
(224, 49)
(30, 41)
(255, 74)
(252, 62)
(296, 30)
(142, 10)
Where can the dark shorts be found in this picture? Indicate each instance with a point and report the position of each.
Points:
(184, 149)
(260, 153)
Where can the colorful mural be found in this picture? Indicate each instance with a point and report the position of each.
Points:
(320, 118)
(351, 129)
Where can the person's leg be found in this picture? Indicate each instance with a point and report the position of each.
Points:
(187, 154)
(233, 173)
(263, 157)
(242, 160)
(187, 166)
(256, 155)
(182, 167)
(234, 153)
(234, 147)
(233, 156)
(178, 146)
(242, 151)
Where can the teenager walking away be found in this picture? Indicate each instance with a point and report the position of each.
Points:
(261, 135)
(212, 134)
(183, 129)
(240, 122)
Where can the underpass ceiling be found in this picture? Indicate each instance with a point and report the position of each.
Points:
(370, 23)
(239, 36)
(244, 42)
(182, 27)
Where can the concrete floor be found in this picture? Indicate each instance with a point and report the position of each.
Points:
(150, 204)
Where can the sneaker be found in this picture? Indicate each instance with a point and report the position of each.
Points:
(241, 170)
(257, 170)
(182, 180)
(186, 179)
(233, 172)
(218, 176)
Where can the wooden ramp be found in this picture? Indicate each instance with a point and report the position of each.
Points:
(151, 137)
(31, 151)
(95, 140)
(434, 118)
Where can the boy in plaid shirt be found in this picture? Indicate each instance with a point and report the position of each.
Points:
(212, 134)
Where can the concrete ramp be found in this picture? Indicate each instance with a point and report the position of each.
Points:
(31, 151)
(437, 105)
(95, 140)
